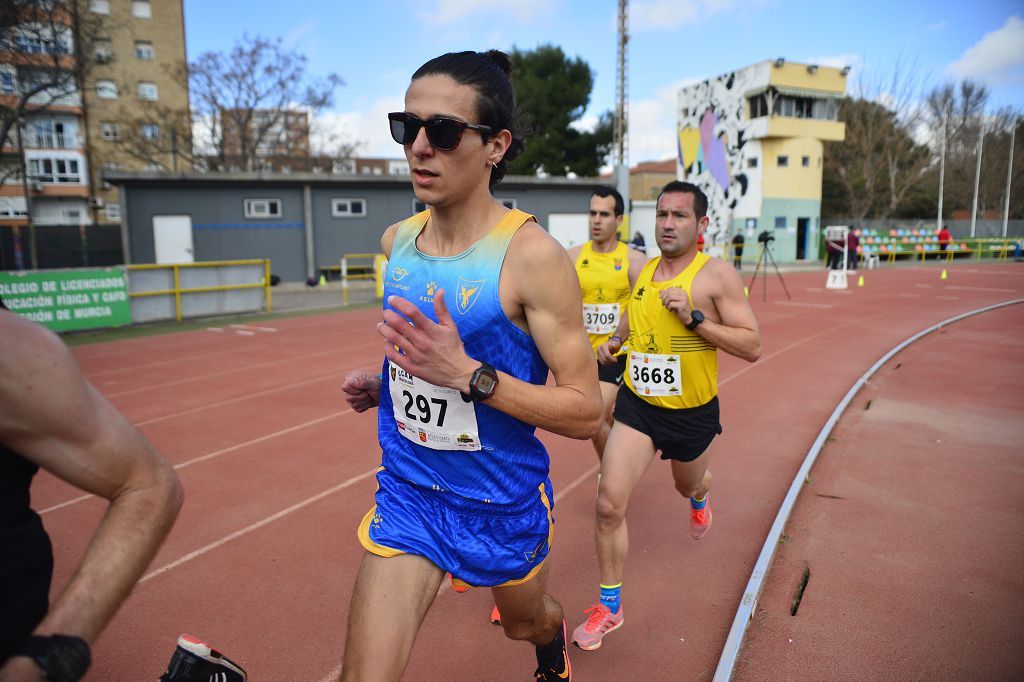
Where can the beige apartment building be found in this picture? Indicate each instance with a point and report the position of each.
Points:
(122, 104)
(135, 100)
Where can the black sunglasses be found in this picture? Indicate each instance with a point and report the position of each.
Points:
(444, 134)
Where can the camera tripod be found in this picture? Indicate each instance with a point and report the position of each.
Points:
(765, 258)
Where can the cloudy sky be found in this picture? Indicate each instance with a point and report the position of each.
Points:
(376, 46)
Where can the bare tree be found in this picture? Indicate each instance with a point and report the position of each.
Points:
(243, 99)
(961, 108)
(158, 134)
(881, 159)
(46, 50)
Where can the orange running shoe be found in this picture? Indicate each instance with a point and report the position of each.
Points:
(495, 616)
(601, 621)
(700, 521)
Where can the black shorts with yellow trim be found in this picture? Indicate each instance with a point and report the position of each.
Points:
(612, 374)
(681, 434)
(481, 544)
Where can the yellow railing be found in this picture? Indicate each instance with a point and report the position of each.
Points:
(367, 270)
(177, 291)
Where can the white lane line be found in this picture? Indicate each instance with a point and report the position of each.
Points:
(748, 604)
(255, 526)
(228, 401)
(800, 304)
(963, 288)
(948, 298)
(214, 329)
(216, 453)
(244, 332)
(246, 368)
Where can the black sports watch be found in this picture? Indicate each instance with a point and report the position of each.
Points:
(483, 382)
(696, 318)
(62, 658)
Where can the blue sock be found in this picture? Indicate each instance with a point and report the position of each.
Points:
(699, 504)
(610, 597)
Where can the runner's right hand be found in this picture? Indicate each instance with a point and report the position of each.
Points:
(362, 390)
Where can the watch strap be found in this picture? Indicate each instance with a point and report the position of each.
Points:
(62, 658)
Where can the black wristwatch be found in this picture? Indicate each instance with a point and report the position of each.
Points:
(61, 658)
(696, 318)
(483, 382)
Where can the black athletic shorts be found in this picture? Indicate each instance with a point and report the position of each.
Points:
(612, 374)
(682, 434)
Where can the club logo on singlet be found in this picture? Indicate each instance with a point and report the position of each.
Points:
(468, 293)
(618, 263)
(399, 273)
(639, 294)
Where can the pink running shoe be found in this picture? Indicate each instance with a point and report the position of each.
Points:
(601, 621)
(700, 521)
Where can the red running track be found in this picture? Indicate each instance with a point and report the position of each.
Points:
(278, 472)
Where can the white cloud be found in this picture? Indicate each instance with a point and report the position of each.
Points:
(368, 126)
(997, 58)
(447, 12)
(652, 124)
(586, 123)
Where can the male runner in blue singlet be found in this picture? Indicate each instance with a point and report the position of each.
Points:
(480, 303)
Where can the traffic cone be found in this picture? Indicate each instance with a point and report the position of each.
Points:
(860, 281)
(944, 276)
(323, 281)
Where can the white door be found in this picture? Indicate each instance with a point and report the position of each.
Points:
(172, 238)
(641, 220)
(569, 228)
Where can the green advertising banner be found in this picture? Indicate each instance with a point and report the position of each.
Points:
(64, 300)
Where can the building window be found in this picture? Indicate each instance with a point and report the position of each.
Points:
(339, 166)
(262, 208)
(783, 161)
(805, 161)
(103, 49)
(149, 131)
(147, 90)
(6, 83)
(71, 216)
(780, 222)
(144, 50)
(348, 208)
(51, 135)
(507, 203)
(752, 162)
(54, 170)
(113, 211)
(142, 9)
(110, 131)
(106, 89)
(100, 6)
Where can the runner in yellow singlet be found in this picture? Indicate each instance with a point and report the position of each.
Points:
(684, 308)
(607, 269)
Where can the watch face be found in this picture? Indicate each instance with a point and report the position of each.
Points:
(485, 383)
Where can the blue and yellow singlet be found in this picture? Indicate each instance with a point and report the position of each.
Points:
(430, 435)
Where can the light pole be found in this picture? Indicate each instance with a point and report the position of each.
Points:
(977, 179)
(1009, 175)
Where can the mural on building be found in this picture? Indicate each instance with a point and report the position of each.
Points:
(712, 149)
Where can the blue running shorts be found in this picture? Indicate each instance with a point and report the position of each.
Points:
(480, 544)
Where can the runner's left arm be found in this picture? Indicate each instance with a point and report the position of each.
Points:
(731, 326)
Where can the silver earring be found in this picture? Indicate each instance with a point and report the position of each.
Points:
(494, 164)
